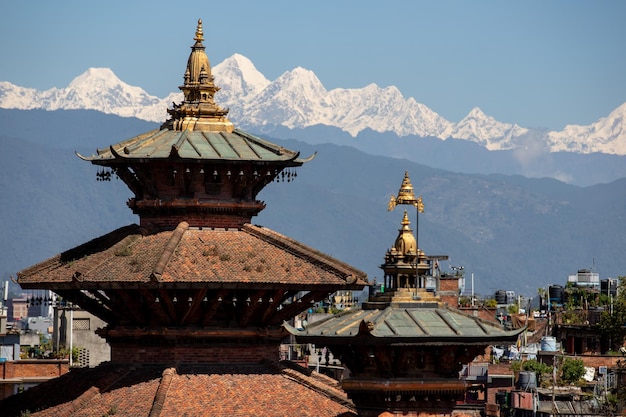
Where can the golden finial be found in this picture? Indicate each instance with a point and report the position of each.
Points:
(199, 33)
(405, 219)
(406, 196)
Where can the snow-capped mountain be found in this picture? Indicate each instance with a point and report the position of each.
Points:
(238, 80)
(95, 89)
(607, 135)
(298, 99)
(485, 130)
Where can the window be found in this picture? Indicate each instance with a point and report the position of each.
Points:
(81, 324)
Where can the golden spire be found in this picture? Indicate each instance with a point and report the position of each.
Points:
(406, 196)
(405, 242)
(198, 111)
(199, 33)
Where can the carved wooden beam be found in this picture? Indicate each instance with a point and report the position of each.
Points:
(131, 307)
(277, 299)
(214, 305)
(254, 304)
(91, 305)
(194, 333)
(169, 306)
(298, 306)
(195, 306)
(156, 308)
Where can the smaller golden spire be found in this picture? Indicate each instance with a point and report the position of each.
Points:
(406, 196)
(199, 33)
(405, 242)
(405, 220)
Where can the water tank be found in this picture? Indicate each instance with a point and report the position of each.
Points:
(510, 297)
(556, 294)
(548, 343)
(524, 302)
(501, 297)
(527, 380)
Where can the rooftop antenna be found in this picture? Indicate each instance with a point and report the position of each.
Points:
(593, 263)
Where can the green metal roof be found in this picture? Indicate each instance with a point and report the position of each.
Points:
(197, 145)
(428, 325)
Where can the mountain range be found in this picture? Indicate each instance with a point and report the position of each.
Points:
(511, 232)
(520, 208)
(298, 100)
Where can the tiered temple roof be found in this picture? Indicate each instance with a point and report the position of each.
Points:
(184, 390)
(195, 295)
(405, 347)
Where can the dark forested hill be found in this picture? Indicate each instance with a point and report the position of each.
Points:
(511, 232)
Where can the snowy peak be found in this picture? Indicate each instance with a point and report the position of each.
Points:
(15, 97)
(295, 99)
(298, 99)
(299, 81)
(100, 88)
(238, 79)
(95, 76)
(606, 135)
(476, 113)
(95, 89)
(485, 130)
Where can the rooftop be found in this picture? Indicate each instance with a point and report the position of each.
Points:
(216, 390)
(211, 258)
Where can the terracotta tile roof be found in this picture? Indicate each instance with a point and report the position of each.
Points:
(251, 255)
(215, 390)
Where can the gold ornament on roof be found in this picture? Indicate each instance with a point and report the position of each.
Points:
(199, 33)
(198, 111)
(406, 196)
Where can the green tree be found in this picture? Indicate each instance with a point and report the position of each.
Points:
(534, 365)
(572, 370)
(513, 308)
(612, 325)
(539, 368)
(491, 303)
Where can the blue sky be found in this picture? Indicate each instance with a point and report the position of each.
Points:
(534, 63)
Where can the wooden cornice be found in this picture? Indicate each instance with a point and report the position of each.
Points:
(382, 385)
(190, 333)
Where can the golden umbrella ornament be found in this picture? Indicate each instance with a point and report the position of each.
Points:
(407, 196)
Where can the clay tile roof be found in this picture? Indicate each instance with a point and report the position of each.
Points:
(250, 256)
(212, 390)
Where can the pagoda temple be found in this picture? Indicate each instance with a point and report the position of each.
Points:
(195, 295)
(405, 347)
